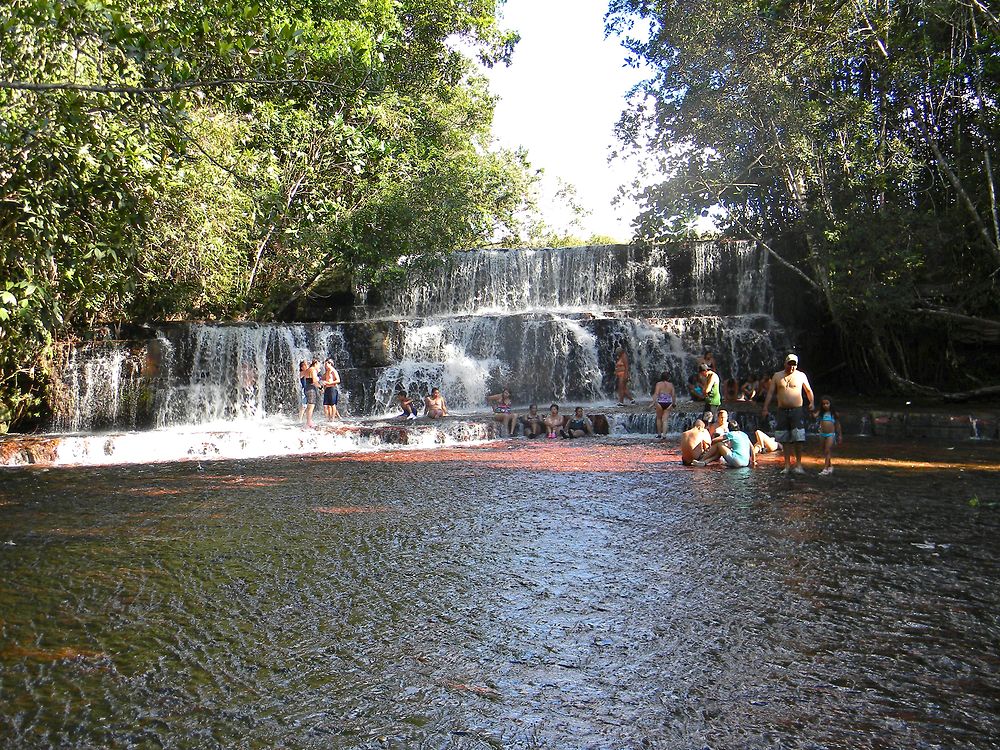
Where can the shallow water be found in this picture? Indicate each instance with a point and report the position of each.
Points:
(522, 595)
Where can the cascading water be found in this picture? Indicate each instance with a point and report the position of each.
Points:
(544, 322)
(100, 386)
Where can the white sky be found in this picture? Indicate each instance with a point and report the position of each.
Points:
(560, 99)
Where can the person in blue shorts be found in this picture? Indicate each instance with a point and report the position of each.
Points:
(733, 448)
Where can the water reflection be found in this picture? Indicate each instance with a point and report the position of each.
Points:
(520, 595)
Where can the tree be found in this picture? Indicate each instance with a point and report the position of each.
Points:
(219, 158)
(855, 142)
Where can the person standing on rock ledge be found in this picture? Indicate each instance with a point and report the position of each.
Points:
(622, 375)
(789, 385)
(710, 386)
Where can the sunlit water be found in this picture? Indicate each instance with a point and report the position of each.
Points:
(528, 594)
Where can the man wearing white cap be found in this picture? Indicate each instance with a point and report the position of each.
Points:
(789, 385)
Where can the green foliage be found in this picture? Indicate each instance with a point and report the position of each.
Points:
(207, 159)
(860, 137)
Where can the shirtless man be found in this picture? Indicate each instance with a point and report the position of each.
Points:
(721, 424)
(435, 406)
(330, 381)
(694, 443)
(789, 385)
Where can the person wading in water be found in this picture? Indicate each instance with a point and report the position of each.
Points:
(789, 385)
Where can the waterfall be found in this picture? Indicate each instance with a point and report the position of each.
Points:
(543, 322)
(99, 386)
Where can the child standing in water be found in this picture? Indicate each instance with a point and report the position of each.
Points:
(829, 430)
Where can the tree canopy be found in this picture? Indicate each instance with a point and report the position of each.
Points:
(169, 159)
(857, 142)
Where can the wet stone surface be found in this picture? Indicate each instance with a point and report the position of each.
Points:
(530, 594)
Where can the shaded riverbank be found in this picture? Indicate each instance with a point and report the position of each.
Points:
(521, 594)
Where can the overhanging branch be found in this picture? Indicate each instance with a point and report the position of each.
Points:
(166, 89)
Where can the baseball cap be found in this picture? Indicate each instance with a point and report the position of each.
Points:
(792, 358)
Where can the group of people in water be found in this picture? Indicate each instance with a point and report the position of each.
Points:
(719, 438)
(713, 437)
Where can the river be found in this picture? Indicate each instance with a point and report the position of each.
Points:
(523, 594)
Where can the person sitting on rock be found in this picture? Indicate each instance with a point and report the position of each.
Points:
(406, 404)
(502, 413)
(579, 425)
(730, 389)
(435, 406)
(721, 424)
(694, 442)
(733, 447)
(532, 424)
(553, 421)
(764, 443)
(695, 390)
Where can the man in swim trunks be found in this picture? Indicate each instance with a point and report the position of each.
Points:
(579, 425)
(435, 406)
(694, 442)
(733, 447)
(331, 396)
(789, 385)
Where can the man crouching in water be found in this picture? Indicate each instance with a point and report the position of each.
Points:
(694, 443)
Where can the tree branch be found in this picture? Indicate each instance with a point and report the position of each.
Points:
(963, 196)
(145, 90)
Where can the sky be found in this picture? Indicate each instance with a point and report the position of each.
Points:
(560, 99)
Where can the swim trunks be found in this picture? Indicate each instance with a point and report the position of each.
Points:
(312, 394)
(330, 396)
(791, 425)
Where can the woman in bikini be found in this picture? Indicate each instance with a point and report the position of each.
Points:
(663, 400)
(502, 413)
(621, 377)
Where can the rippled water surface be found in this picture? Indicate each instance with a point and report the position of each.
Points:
(522, 595)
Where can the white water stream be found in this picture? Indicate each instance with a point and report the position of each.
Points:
(544, 323)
